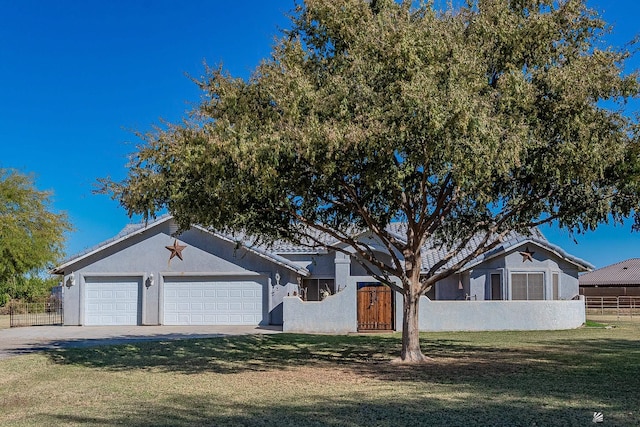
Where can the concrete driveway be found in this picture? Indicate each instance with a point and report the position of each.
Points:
(17, 341)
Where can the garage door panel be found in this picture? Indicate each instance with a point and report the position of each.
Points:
(112, 301)
(208, 301)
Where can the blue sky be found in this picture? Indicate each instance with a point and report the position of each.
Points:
(77, 77)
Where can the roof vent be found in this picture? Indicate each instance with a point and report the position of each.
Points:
(625, 268)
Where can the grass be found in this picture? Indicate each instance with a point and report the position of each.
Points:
(4, 321)
(594, 324)
(488, 378)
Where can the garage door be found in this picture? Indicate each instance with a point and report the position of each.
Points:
(189, 301)
(112, 301)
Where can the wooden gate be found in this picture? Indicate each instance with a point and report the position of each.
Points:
(375, 307)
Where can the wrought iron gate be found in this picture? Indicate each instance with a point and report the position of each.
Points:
(36, 313)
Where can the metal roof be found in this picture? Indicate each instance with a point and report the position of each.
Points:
(622, 273)
(132, 229)
(128, 231)
(431, 253)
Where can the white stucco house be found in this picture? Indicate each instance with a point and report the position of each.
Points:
(148, 275)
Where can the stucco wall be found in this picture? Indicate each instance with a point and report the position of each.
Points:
(500, 315)
(477, 281)
(319, 265)
(335, 314)
(449, 288)
(145, 254)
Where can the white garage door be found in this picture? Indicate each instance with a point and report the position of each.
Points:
(199, 301)
(111, 301)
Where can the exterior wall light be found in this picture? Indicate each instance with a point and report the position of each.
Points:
(71, 281)
(150, 281)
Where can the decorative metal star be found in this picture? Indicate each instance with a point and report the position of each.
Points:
(527, 255)
(176, 250)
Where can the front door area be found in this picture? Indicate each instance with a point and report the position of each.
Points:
(375, 307)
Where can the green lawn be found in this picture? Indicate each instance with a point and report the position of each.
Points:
(497, 379)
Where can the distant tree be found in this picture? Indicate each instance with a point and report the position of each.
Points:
(31, 287)
(467, 122)
(31, 235)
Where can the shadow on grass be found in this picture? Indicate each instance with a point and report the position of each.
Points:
(602, 370)
(234, 354)
(454, 360)
(357, 410)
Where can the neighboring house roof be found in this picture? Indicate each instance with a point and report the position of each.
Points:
(133, 229)
(622, 273)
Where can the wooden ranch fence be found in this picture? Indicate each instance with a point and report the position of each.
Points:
(619, 306)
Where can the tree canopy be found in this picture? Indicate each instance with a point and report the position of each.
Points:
(495, 116)
(31, 234)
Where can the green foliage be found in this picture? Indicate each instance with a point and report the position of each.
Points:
(467, 122)
(593, 324)
(27, 288)
(31, 236)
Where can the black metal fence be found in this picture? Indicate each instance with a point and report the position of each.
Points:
(45, 313)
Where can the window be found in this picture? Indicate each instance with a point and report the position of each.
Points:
(556, 286)
(496, 286)
(314, 288)
(527, 286)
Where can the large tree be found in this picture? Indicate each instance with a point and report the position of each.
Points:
(464, 123)
(31, 234)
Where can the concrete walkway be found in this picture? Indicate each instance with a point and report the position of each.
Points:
(17, 341)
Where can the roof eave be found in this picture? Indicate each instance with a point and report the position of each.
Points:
(275, 258)
(511, 246)
(107, 244)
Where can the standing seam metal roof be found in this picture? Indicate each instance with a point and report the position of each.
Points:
(626, 272)
(431, 253)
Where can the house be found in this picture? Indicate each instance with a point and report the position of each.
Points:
(147, 275)
(617, 280)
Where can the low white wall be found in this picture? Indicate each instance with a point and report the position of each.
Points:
(337, 314)
(334, 315)
(500, 315)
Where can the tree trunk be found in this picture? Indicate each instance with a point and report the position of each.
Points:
(411, 352)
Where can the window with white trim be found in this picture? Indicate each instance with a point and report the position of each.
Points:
(527, 286)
